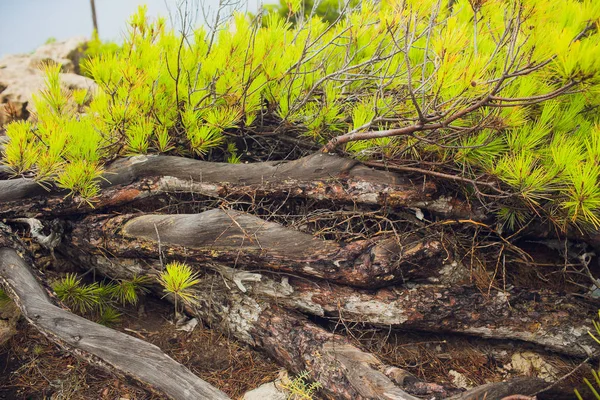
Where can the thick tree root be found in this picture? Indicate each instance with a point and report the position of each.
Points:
(251, 308)
(241, 239)
(543, 319)
(556, 322)
(523, 386)
(288, 337)
(319, 176)
(102, 346)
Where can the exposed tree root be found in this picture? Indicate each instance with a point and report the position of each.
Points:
(524, 387)
(288, 337)
(266, 310)
(319, 176)
(558, 323)
(241, 239)
(110, 349)
(544, 319)
(251, 308)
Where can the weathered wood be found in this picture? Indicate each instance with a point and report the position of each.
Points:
(255, 310)
(98, 344)
(288, 337)
(319, 176)
(549, 320)
(525, 386)
(241, 239)
(555, 322)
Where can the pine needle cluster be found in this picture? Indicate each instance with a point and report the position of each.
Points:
(100, 299)
(504, 88)
(177, 280)
(300, 389)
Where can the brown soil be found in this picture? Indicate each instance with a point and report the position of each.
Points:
(32, 367)
(437, 357)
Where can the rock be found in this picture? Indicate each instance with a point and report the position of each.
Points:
(189, 325)
(268, 391)
(271, 391)
(67, 53)
(532, 364)
(459, 380)
(20, 76)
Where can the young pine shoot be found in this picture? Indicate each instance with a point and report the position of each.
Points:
(177, 280)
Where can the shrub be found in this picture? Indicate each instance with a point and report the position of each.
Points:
(503, 88)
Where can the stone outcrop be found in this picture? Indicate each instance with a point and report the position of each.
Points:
(20, 76)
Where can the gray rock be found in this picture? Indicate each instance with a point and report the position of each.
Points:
(20, 76)
(268, 391)
(67, 53)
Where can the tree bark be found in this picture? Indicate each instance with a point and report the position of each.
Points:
(319, 176)
(266, 310)
(256, 309)
(288, 337)
(544, 319)
(524, 386)
(97, 344)
(240, 239)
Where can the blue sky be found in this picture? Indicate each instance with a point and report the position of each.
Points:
(27, 24)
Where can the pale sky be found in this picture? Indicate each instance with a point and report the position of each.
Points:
(27, 24)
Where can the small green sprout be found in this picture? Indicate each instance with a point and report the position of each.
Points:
(177, 280)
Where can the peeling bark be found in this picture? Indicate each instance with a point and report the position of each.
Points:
(555, 322)
(319, 176)
(255, 309)
(288, 337)
(268, 311)
(544, 319)
(240, 239)
(519, 388)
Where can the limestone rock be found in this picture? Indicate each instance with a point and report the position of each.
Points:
(268, 391)
(459, 380)
(20, 76)
(532, 364)
(67, 53)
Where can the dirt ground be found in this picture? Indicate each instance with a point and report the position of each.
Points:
(32, 367)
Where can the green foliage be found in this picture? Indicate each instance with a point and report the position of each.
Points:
(293, 10)
(109, 316)
(300, 389)
(233, 157)
(4, 298)
(99, 299)
(82, 298)
(128, 291)
(97, 47)
(593, 385)
(177, 280)
(507, 88)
